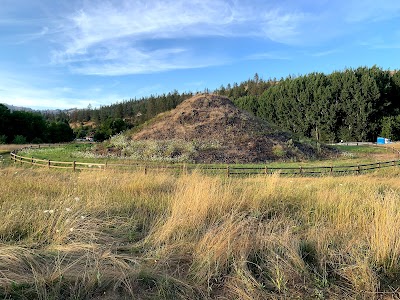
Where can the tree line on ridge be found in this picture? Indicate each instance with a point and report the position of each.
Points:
(350, 105)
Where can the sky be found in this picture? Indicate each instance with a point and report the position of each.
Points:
(75, 53)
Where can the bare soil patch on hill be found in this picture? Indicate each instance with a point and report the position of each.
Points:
(235, 136)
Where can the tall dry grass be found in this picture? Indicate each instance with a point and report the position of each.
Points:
(107, 235)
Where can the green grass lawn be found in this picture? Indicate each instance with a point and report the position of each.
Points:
(362, 149)
(68, 152)
(348, 156)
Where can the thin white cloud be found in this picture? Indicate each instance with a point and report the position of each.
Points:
(282, 26)
(134, 61)
(325, 53)
(268, 55)
(379, 42)
(386, 46)
(142, 20)
(13, 22)
(196, 83)
(147, 90)
(370, 10)
(104, 39)
(25, 38)
(20, 92)
(135, 37)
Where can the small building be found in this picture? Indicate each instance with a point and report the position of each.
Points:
(382, 141)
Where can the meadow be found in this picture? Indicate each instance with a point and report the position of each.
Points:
(108, 235)
(84, 152)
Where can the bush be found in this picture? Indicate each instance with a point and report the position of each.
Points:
(19, 139)
(278, 151)
(99, 136)
(3, 139)
(37, 140)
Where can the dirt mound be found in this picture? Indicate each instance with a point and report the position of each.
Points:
(233, 135)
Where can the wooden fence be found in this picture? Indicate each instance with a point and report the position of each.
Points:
(73, 165)
(228, 170)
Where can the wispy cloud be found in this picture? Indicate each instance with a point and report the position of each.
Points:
(325, 53)
(268, 55)
(386, 46)
(103, 39)
(380, 42)
(63, 40)
(147, 90)
(21, 92)
(126, 59)
(115, 36)
(25, 38)
(281, 26)
(370, 10)
(109, 38)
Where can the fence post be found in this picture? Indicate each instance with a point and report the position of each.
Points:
(379, 165)
(301, 170)
(358, 169)
(227, 171)
(331, 170)
(266, 170)
(49, 164)
(31, 160)
(74, 166)
(105, 166)
(145, 170)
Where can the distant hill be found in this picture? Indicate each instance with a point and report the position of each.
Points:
(43, 111)
(17, 108)
(237, 135)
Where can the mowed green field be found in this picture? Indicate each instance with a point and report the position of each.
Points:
(116, 235)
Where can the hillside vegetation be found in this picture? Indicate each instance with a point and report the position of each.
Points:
(108, 235)
(21, 127)
(351, 105)
(219, 132)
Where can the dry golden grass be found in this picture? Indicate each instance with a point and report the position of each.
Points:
(107, 235)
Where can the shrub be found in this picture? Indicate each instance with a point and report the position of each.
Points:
(19, 139)
(37, 140)
(278, 151)
(3, 139)
(173, 150)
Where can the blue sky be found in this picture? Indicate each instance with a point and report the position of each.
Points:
(72, 53)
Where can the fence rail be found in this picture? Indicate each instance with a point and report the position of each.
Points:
(228, 170)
